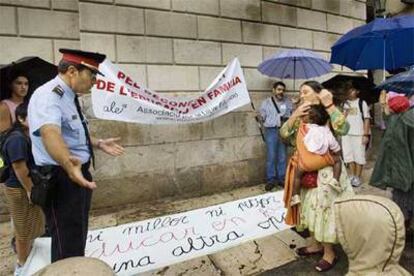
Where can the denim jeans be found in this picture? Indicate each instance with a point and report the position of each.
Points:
(276, 156)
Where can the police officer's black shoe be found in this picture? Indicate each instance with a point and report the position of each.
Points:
(269, 186)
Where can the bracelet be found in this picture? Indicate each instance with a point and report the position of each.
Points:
(98, 145)
(328, 106)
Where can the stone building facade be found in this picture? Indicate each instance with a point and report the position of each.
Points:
(177, 46)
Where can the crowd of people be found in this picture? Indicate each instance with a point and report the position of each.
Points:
(48, 137)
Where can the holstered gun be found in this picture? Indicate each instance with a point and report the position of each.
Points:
(42, 185)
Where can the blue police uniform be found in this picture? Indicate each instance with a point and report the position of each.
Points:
(68, 205)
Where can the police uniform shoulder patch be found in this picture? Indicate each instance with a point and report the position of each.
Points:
(58, 90)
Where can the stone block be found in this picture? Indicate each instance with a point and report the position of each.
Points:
(189, 180)
(70, 5)
(103, 43)
(144, 49)
(131, 189)
(8, 20)
(159, 4)
(339, 24)
(248, 55)
(57, 44)
(298, 3)
(102, 1)
(215, 129)
(12, 48)
(238, 124)
(291, 37)
(172, 78)
(269, 51)
(324, 41)
(357, 23)
(108, 18)
(279, 14)
(133, 135)
(260, 33)
(248, 147)
(139, 159)
(345, 8)
(332, 6)
(159, 50)
(130, 48)
(44, 23)
(256, 81)
(358, 10)
(196, 52)
(196, 6)
(136, 71)
(245, 123)
(205, 152)
(207, 75)
(27, 3)
(219, 29)
(170, 24)
(243, 9)
(311, 19)
(229, 175)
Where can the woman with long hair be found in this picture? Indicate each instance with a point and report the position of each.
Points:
(315, 211)
(27, 219)
(18, 89)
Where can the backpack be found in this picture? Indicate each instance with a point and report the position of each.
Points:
(367, 146)
(4, 168)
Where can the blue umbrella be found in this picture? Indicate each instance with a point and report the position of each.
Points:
(401, 83)
(384, 43)
(295, 64)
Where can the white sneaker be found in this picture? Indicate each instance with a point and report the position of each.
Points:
(356, 181)
(18, 270)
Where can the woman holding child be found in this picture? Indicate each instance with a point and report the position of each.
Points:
(319, 189)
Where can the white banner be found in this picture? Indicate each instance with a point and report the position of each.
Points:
(154, 243)
(116, 96)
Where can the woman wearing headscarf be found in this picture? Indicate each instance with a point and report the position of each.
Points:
(315, 210)
(371, 232)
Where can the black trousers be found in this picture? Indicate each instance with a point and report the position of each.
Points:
(67, 214)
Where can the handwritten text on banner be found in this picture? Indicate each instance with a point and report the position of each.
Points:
(154, 243)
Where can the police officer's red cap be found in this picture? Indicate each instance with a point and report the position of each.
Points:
(87, 59)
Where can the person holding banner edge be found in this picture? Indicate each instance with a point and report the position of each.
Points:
(274, 111)
(62, 148)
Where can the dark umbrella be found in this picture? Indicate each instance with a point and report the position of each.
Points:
(37, 70)
(401, 83)
(339, 85)
(384, 43)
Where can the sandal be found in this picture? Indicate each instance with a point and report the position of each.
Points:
(303, 251)
(323, 265)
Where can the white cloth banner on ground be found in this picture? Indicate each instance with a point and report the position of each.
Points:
(154, 243)
(116, 96)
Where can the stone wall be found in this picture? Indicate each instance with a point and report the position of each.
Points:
(178, 46)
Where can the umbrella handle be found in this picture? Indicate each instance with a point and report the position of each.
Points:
(259, 125)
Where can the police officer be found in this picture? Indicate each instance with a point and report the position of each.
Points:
(62, 146)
